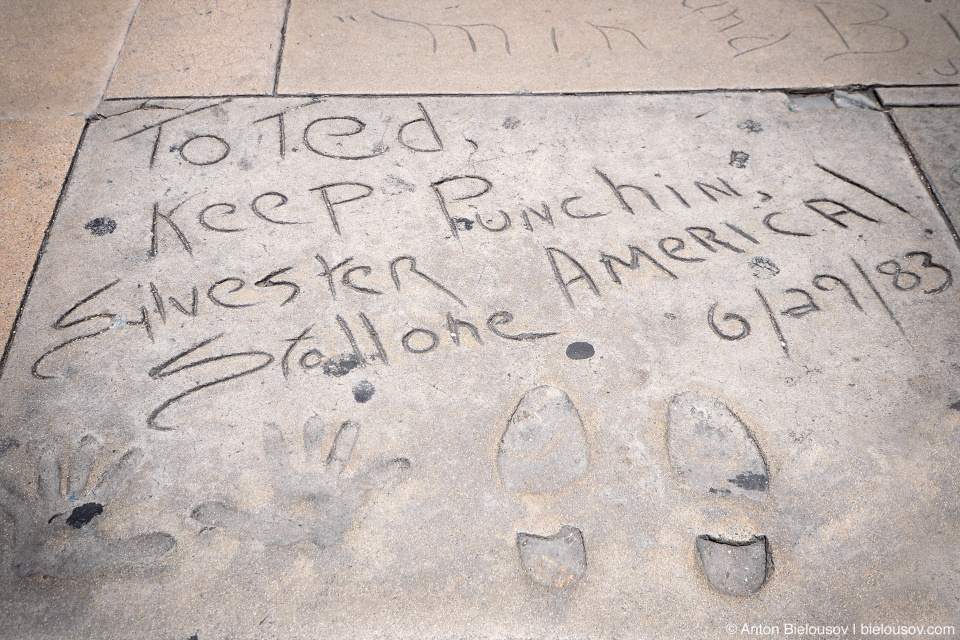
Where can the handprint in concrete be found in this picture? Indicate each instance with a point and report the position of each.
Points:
(55, 534)
(316, 506)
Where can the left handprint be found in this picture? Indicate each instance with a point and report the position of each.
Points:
(55, 533)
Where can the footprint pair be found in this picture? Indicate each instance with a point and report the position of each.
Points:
(544, 448)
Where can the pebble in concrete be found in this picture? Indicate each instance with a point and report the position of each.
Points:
(712, 450)
(735, 568)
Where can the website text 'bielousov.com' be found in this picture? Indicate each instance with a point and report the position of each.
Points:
(789, 629)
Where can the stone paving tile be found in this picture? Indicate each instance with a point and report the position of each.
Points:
(918, 96)
(56, 55)
(34, 156)
(933, 136)
(573, 366)
(200, 47)
(389, 46)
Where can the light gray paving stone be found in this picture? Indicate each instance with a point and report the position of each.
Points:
(200, 48)
(282, 343)
(434, 46)
(932, 135)
(919, 96)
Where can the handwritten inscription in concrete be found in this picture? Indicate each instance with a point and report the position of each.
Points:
(444, 47)
(570, 359)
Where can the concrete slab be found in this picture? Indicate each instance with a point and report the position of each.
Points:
(372, 46)
(574, 366)
(58, 54)
(34, 156)
(932, 135)
(200, 47)
(919, 96)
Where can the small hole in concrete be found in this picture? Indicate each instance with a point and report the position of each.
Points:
(580, 350)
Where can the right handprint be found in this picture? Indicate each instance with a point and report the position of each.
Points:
(315, 506)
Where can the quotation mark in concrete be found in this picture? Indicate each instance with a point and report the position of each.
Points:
(715, 454)
(55, 534)
(543, 449)
(318, 505)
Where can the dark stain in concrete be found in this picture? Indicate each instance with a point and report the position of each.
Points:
(363, 391)
(339, 367)
(83, 514)
(580, 350)
(7, 443)
(751, 481)
(101, 226)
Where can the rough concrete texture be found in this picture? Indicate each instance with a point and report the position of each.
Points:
(544, 447)
(34, 157)
(919, 96)
(712, 450)
(200, 47)
(734, 568)
(932, 136)
(58, 54)
(292, 337)
(435, 46)
(553, 561)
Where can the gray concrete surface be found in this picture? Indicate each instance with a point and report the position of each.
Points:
(581, 366)
(435, 46)
(931, 134)
(200, 47)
